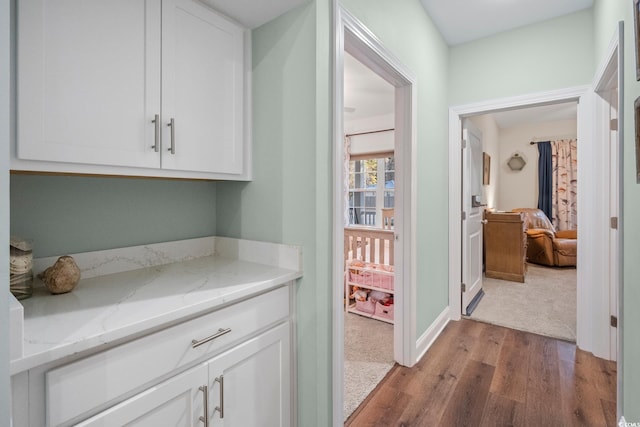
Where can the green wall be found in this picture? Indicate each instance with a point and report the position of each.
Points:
(607, 14)
(554, 54)
(288, 200)
(420, 47)
(69, 214)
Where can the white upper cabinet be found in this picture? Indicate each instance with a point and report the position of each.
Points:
(93, 76)
(88, 81)
(202, 89)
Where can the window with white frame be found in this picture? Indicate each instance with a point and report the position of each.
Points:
(371, 188)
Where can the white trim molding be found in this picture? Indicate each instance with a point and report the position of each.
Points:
(455, 169)
(429, 336)
(608, 84)
(352, 36)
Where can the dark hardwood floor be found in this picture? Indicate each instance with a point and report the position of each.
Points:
(476, 374)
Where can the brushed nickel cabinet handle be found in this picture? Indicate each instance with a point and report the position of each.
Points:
(156, 140)
(221, 332)
(205, 401)
(220, 408)
(172, 125)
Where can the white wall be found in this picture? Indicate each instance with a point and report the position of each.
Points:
(490, 145)
(384, 121)
(519, 189)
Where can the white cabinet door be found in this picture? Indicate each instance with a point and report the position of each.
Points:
(89, 81)
(202, 89)
(250, 384)
(176, 402)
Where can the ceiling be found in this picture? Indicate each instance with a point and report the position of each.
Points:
(461, 21)
(368, 95)
(250, 13)
(365, 93)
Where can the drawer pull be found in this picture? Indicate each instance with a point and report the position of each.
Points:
(220, 408)
(205, 401)
(221, 332)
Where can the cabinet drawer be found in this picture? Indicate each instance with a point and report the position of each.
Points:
(94, 383)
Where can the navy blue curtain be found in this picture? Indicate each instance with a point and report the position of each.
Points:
(544, 178)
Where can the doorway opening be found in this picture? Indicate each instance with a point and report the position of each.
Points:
(527, 283)
(356, 204)
(599, 116)
(369, 190)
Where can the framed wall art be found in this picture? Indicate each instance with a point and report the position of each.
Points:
(636, 113)
(486, 168)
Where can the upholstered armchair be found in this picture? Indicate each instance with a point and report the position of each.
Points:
(545, 245)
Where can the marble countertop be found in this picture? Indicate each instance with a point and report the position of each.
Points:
(146, 288)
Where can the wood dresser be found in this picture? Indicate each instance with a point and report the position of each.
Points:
(506, 246)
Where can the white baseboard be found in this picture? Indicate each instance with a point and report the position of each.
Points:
(426, 340)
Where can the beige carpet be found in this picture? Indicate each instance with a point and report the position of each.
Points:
(545, 304)
(368, 352)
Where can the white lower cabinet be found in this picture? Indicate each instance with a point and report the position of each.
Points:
(175, 402)
(228, 367)
(248, 385)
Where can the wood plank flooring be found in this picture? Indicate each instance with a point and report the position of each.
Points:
(476, 374)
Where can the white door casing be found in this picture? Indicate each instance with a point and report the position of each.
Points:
(593, 331)
(456, 114)
(352, 36)
(609, 122)
(472, 208)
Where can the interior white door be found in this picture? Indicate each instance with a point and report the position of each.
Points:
(202, 89)
(472, 208)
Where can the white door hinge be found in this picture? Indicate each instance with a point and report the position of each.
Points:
(464, 215)
(464, 144)
(464, 287)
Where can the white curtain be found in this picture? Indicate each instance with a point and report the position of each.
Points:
(345, 181)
